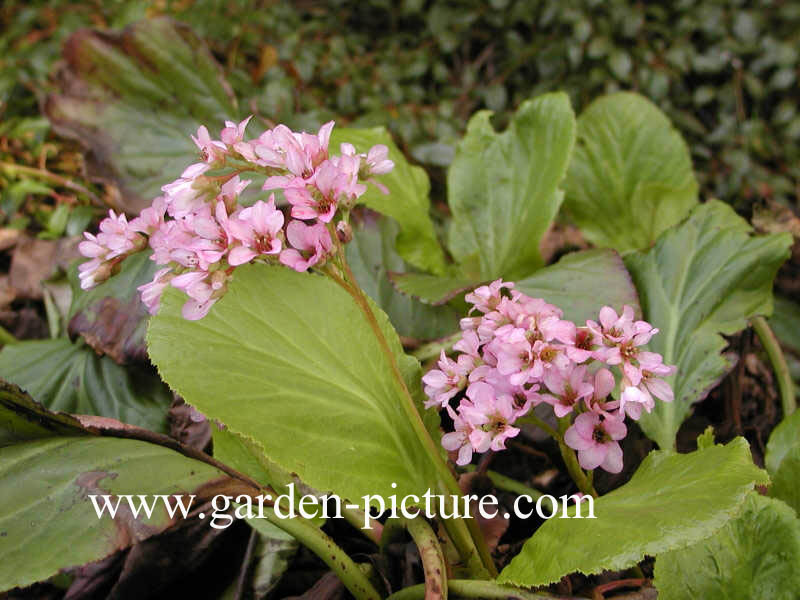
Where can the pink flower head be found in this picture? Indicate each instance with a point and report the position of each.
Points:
(632, 400)
(595, 437)
(311, 245)
(257, 229)
(203, 289)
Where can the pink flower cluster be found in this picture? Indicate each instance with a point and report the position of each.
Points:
(200, 232)
(521, 353)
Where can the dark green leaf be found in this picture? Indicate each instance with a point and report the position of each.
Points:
(71, 378)
(582, 283)
(672, 501)
(704, 277)
(631, 177)
(754, 556)
(503, 188)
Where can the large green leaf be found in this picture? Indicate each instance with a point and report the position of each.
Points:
(49, 464)
(581, 283)
(134, 97)
(288, 360)
(407, 201)
(755, 556)
(71, 378)
(704, 277)
(672, 501)
(503, 187)
(371, 256)
(631, 177)
(47, 521)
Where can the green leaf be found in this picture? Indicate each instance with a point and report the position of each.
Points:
(23, 419)
(407, 202)
(672, 501)
(703, 278)
(371, 256)
(111, 317)
(783, 439)
(503, 187)
(47, 521)
(631, 177)
(289, 361)
(755, 556)
(71, 378)
(431, 289)
(134, 97)
(581, 283)
(785, 322)
(786, 480)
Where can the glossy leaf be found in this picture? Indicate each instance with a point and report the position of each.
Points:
(407, 202)
(581, 283)
(372, 257)
(71, 378)
(754, 556)
(503, 188)
(672, 501)
(631, 177)
(703, 279)
(134, 97)
(288, 360)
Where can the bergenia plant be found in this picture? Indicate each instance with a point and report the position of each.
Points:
(299, 327)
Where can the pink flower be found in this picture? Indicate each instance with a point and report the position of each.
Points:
(186, 194)
(490, 417)
(211, 151)
(632, 400)
(486, 298)
(445, 382)
(458, 439)
(151, 292)
(93, 272)
(378, 161)
(233, 133)
(311, 245)
(596, 440)
(567, 388)
(203, 289)
(151, 218)
(258, 229)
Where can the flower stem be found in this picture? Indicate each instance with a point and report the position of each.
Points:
(466, 537)
(472, 588)
(779, 364)
(325, 548)
(432, 557)
(571, 461)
